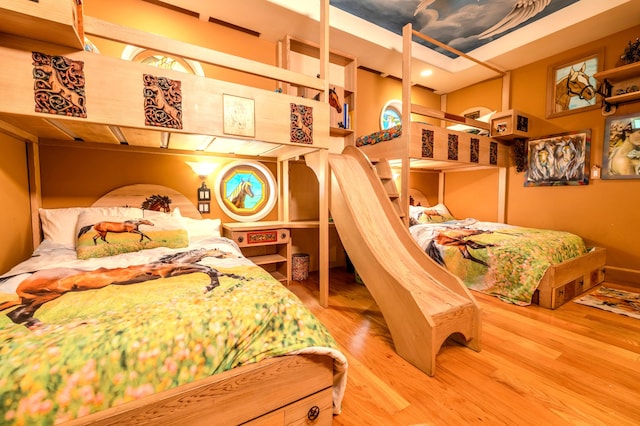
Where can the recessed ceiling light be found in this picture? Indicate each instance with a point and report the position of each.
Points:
(426, 73)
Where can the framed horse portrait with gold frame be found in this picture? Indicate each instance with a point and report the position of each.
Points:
(559, 160)
(572, 87)
(246, 190)
(621, 148)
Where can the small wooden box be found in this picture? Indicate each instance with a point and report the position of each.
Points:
(54, 21)
(509, 125)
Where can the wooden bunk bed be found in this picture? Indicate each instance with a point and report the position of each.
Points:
(113, 101)
(418, 144)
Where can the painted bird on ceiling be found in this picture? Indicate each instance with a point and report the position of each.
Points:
(522, 11)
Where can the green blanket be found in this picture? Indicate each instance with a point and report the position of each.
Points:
(504, 261)
(99, 348)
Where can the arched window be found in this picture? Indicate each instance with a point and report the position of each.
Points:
(161, 60)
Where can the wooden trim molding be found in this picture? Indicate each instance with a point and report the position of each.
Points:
(623, 276)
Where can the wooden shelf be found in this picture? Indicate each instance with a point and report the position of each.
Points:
(267, 259)
(278, 276)
(617, 74)
(626, 97)
(340, 132)
(267, 244)
(620, 78)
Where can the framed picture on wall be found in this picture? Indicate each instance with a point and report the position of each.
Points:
(246, 190)
(557, 160)
(621, 148)
(239, 116)
(571, 86)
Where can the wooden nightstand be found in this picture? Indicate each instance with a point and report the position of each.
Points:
(267, 244)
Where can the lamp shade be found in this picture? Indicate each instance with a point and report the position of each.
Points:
(202, 169)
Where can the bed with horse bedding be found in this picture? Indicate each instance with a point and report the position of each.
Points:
(83, 332)
(501, 260)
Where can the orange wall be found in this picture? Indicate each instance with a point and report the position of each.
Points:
(15, 214)
(101, 170)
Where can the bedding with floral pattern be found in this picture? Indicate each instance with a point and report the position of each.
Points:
(497, 259)
(79, 336)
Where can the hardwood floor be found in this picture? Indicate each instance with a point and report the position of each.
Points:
(575, 365)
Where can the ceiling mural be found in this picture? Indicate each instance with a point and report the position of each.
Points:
(462, 24)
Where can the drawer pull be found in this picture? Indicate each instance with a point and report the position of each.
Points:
(283, 236)
(240, 239)
(313, 413)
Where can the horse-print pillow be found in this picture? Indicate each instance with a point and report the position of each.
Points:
(434, 214)
(100, 236)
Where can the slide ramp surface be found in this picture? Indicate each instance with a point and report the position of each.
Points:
(422, 303)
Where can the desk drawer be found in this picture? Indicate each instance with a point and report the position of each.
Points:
(260, 237)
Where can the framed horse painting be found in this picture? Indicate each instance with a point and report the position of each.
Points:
(558, 160)
(246, 190)
(572, 87)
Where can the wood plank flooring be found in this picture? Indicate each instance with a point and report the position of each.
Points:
(576, 365)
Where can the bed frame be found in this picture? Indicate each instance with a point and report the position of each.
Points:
(290, 389)
(422, 145)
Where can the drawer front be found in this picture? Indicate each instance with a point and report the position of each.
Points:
(314, 410)
(260, 237)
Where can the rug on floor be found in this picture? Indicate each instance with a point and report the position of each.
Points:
(613, 300)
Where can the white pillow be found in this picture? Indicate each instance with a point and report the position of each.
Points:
(197, 228)
(59, 225)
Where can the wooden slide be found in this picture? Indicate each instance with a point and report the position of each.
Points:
(422, 303)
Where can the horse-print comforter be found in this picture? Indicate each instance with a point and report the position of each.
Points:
(89, 350)
(500, 260)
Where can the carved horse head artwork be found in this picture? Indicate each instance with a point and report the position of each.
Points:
(102, 228)
(49, 284)
(159, 203)
(239, 194)
(334, 100)
(576, 83)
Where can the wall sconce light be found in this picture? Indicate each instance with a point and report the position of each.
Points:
(204, 193)
(203, 170)
(204, 198)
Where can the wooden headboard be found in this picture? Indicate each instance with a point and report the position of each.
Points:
(135, 195)
(418, 197)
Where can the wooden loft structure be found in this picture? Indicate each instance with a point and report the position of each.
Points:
(469, 151)
(109, 107)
